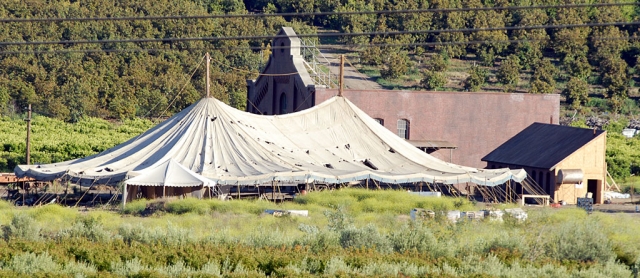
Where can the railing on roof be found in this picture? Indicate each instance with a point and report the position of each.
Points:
(319, 65)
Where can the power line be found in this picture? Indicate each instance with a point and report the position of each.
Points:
(299, 14)
(326, 46)
(262, 37)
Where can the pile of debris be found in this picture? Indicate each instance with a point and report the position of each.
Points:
(634, 124)
(595, 122)
(455, 216)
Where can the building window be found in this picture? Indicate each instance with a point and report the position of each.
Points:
(281, 47)
(283, 103)
(380, 121)
(403, 128)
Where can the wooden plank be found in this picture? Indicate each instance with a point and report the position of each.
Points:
(545, 198)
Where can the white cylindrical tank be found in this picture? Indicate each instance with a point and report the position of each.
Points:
(566, 176)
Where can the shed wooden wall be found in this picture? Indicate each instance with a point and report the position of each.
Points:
(591, 159)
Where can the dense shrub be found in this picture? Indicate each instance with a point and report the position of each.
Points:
(352, 240)
(366, 237)
(416, 237)
(581, 241)
(187, 205)
(135, 207)
(22, 226)
(86, 227)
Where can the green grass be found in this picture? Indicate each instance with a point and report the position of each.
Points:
(351, 232)
(54, 140)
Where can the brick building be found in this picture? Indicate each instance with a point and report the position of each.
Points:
(459, 127)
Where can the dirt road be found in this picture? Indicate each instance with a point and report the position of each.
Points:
(352, 78)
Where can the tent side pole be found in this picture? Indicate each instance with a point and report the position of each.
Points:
(509, 190)
(164, 193)
(124, 196)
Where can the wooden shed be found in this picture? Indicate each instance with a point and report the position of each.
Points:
(567, 162)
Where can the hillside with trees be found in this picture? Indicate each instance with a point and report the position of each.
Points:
(587, 53)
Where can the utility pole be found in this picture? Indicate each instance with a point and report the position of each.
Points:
(341, 74)
(29, 135)
(208, 58)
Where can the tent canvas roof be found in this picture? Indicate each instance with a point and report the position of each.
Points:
(333, 142)
(169, 173)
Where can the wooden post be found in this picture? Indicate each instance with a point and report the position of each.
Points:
(28, 135)
(208, 58)
(341, 75)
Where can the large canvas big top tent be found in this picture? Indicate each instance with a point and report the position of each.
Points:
(333, 142)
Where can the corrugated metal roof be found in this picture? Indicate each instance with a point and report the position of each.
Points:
(542, 145)
(435, 144)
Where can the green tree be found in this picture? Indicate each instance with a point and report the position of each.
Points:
(570, 41)
(449, 20)
(438, 62)
(509, 72)
(410, 21)
(396, 65)
(529, 51)
(614, 78)
(577, 66)
(372, 55)
(433, 80)
(543, 79)
(576, 92)
(477, 78)
(356, 23)
(616, 41)
(4, 99)
(435, 74)
(493, 41)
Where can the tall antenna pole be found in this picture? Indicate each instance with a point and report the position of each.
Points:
(29, 135)
(208, 81)
(341, 74)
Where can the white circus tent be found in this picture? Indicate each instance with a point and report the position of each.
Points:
(169, 178)
(333, 142)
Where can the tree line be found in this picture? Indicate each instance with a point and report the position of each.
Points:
(579, 57)
(124, 79)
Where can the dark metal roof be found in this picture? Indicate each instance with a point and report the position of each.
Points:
(433, 144)
(542, 145)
